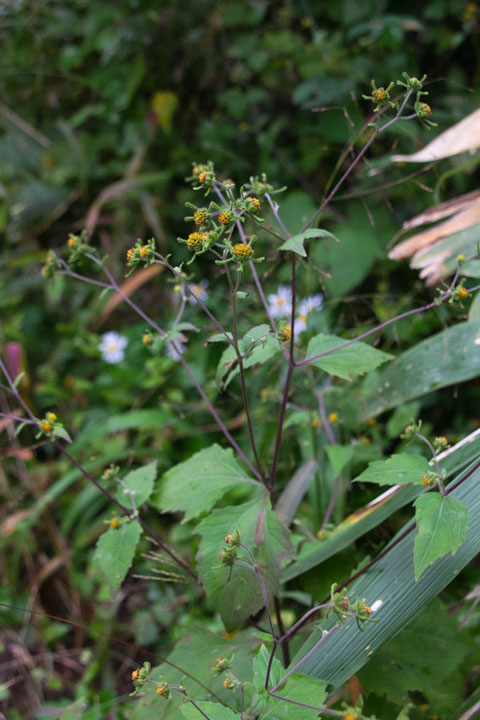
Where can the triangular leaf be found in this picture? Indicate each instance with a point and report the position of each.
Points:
(262, 532)
(442, 525)
(195, 485)
(348, 362)
(396, 470)
(115, 551)
(140, 482)
(339, 456)
(295, 243)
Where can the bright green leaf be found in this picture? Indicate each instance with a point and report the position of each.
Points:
(396, 470)
(339, 456)
(262, 532)
(260, 345)
(140, 482)
(214, 711)
(295, 243)
(348, 362)
(442, 525)
(195, 485)
(115, 551)
(260, 665)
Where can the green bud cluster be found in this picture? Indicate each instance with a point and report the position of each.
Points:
(140, 677)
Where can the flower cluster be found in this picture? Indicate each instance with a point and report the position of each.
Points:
(141, 254)
(140, 677)
(214, 224)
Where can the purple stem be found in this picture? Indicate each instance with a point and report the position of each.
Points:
(325, 710)
(186, 367)
(354, 163)
(252, 266)
(310, 652)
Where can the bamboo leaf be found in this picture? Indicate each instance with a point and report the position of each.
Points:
(391, 590)
(450, 357)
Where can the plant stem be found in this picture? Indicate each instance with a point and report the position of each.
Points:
(285, 648)
(291, 367)
(251, 264)
(186, 366)
(355, 162)
(310, 652)
(233, 292)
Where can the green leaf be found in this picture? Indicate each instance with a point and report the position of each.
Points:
(391, 589)
(378, 510)
(447, 358)
(397, 469)
(262, 532)
(115, 551)
(399, 668)
(260, 664)
(295, 243)
(348, 362)
(442, 525)
(299, 688)
(263, 347)
(140, 482)
(339, 456)
(60, 432)
(214, 711)
(195, 485)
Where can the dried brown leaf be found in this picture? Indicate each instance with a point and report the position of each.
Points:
(461, 137)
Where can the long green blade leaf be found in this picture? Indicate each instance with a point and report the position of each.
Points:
(391, 588)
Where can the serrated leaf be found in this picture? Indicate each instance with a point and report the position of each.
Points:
(375, 512)
(140, 482)
(295, 243)
(212, 710)
(350, 361)
(441, 528)
(399, 668)
(115, 551)
(396, 470)
(263, 533)
(339, 456)
(195, 485)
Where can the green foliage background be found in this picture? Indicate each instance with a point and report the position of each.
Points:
(103, 108)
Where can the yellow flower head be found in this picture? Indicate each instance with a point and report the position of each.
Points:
(46, 426)
(194, 239)
(202, 177)
(135, 674)
(333, 417)
(242, 251)
(71, 241)
(130, 254)
(224, 218)
(380, 94)
(51, 417)
(462, 293)
(200, 217)
(114, 524)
